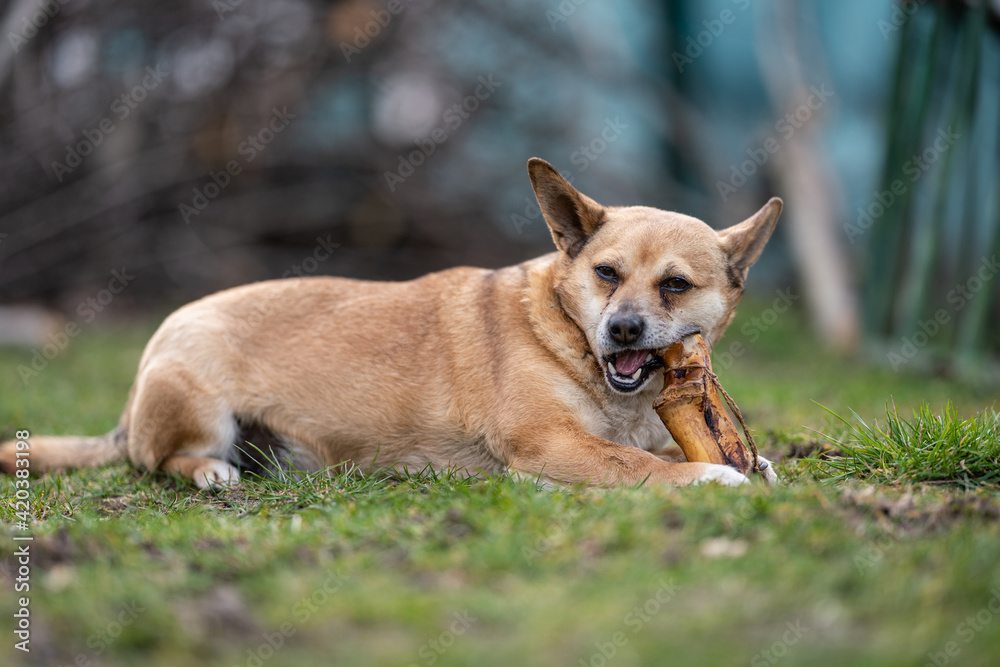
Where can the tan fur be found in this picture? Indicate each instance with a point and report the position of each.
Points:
(485, 371)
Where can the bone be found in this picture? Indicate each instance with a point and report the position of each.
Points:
(692, 410)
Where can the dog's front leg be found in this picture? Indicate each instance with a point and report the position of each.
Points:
(573, 456)
(675, 454)
(671, 453)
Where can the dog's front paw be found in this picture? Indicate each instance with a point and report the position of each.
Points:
(766, 469)
(724, 475)
(215, 474)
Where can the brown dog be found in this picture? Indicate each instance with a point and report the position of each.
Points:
(544, 369)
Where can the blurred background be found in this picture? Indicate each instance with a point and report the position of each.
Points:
(153, 152)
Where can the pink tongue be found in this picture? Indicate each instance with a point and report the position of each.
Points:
(628, 362)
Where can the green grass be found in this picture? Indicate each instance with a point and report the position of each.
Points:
(938, 449)
(876, 552)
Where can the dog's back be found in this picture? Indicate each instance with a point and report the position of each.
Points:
(403, 374)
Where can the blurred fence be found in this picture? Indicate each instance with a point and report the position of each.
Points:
(207, 144)
(203, 144)
(932, 228)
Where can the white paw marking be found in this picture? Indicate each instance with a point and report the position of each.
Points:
(723, 475)
(767, 473)
(215, 474)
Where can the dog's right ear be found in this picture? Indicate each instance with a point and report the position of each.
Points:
(571, 215)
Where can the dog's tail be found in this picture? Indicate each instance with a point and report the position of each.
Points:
(51, 452)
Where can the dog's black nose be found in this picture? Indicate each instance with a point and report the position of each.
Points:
(626, 329)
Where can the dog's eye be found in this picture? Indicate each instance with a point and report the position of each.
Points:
(606, 272)
(676, 284)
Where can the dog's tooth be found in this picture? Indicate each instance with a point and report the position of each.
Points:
(611, 367)
(635, 376)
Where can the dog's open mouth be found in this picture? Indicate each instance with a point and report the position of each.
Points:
(629, 369)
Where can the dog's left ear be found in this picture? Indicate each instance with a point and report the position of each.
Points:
(571, 215)
(744, 242)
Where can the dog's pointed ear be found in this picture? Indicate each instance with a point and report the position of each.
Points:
(571, 215)
(744, 242)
